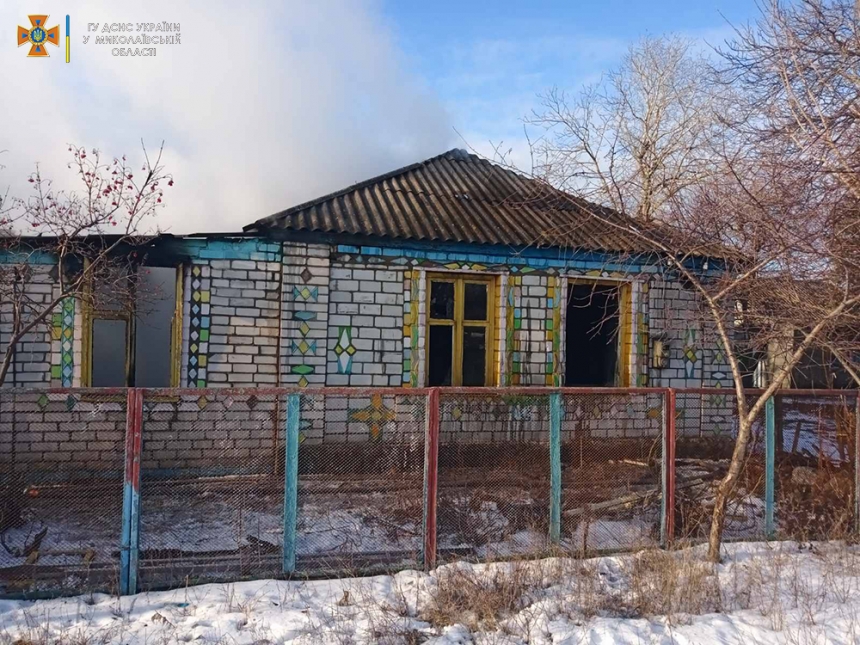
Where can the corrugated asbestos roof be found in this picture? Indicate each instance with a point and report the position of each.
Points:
(459, 197)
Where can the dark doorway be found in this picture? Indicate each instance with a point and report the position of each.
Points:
(592, 335)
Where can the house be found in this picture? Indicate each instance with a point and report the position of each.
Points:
(449, 272)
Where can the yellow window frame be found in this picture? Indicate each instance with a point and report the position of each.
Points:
(459, 323)
(89, 314)
(625, 343)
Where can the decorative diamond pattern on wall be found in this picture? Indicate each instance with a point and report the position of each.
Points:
(690, 352)
(63, 333)
(306, 293)
(376, 416)
(304, 346)
(198, 326)
(411, 329)
(344, 350)
(554, 300)
(513, 324)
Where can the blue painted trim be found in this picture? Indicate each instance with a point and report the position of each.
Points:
(535, 259)
(27, 257)
(480, 254)
(291, 481)
(258, 249)
(769, 466)
(134, 542)
(125, 540)
(555, 467)
(130, 540)
(500, 254)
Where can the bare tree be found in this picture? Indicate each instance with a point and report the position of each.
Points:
(86, 235)
(799, 67)
(639, 137)
(764, 217)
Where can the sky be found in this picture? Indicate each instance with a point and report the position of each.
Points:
(266, 104)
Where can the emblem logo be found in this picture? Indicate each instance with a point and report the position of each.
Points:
(38, 35)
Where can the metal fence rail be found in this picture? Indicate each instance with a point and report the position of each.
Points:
(127, 490)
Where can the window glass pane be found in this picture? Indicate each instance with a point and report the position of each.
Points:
(156, 302)
(112, 289)
(441, 355)
(442, 300)
(108, 355)
(475, 302)
(474, 356)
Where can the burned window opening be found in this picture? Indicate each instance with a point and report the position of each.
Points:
(592, 336)
(132, 330)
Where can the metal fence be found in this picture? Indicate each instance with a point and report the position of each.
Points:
(128, 490)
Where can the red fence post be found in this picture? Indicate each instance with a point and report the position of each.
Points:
(857, 464)
(129, 547)
(431, 478)
(669, 414)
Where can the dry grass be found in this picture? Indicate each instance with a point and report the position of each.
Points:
(650, 583)
(481, 599)
(512, 602)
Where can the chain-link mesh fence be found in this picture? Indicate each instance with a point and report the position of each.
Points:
(212, 486)
(612, 464)
(360, 480)
(493, 475)
(217, 498)
(707, 426)
(815, 465)
(61, 490)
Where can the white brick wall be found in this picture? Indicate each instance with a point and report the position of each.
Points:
(366, 307)
(245, 323)
(34, 353)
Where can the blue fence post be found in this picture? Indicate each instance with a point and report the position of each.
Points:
(769, 466)
(291, 480)
(555, 467)
(130, 537)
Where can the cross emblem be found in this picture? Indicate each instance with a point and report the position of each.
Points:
(38, 36)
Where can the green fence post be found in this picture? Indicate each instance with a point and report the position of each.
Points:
(291, 481)
(555, 467)
(769, 467)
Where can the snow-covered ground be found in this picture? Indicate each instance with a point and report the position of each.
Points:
(761, 594)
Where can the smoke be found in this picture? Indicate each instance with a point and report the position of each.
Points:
(261, 106)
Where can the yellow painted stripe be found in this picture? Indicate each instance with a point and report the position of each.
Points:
(68, 48)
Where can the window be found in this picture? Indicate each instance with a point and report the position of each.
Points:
(460, 331)
(598, 334)
(132, 327)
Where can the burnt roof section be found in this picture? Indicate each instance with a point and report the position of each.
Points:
(459, 197)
